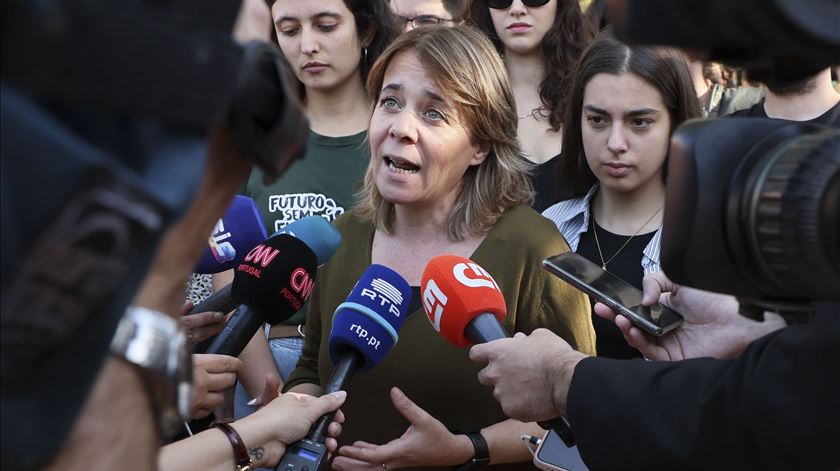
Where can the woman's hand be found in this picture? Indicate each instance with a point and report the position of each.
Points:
(426, 442)
(212, 375)
(201, 326)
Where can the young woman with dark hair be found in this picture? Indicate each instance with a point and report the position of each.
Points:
(622, 108)
(330, 46)
(540, 42)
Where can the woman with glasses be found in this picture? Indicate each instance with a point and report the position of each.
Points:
(416, 13)
(540, 40)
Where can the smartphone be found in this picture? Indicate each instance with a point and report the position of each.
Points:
(554, 455)
(619, 295)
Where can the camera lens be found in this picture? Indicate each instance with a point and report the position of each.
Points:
(783, 208)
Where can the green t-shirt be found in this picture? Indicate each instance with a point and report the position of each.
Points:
(323, 183)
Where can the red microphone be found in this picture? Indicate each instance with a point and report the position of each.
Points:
(466, 306)
(463, 302)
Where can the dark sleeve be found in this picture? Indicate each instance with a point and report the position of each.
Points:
(777, 406)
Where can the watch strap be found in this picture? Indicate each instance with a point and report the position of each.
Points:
(240, 452)
(481, 457)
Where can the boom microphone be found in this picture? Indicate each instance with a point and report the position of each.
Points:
(319, 235)
(271, 284)
(237, 232)
(364, 329)
(466, 306)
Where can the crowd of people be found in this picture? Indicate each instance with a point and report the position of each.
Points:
(503, 131)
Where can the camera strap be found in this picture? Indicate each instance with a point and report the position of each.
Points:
(136, 58)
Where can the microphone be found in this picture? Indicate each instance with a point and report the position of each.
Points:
(466, 306)
(271, 284)
(462, 301)
(364, 329)
(237, 232)
(319, 235)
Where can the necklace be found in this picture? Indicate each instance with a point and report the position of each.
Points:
(598, 244)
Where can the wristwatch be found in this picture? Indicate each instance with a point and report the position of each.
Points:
(481, 458)
(154, 343)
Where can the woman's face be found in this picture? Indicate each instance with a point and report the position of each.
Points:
(625, 127)
(521, 28)
(420, 145)
(319, 39)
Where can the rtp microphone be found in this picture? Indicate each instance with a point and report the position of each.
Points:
(271, 284)
(466, 306)
(237, 232)
(463, 302)
(364, 329)
(319, 235)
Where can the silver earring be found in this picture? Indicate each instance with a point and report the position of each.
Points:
(364, 54)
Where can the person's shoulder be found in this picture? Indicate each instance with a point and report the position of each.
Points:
(350, 223)
(739, 99)
(754, 111)
(528, 231)
(562, 211)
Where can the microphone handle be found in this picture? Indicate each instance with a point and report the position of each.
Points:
(237, 332)
(341, 375)
(485, 328)
(218, 301)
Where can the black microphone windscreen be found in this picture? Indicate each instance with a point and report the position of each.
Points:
(276, 278)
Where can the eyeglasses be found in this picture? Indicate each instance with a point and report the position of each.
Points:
(425, 20)
(502, 4)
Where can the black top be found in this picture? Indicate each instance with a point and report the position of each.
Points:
(829, 118)
(544, 181)
(627, 265)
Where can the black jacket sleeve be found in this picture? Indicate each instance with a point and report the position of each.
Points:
(777, 406)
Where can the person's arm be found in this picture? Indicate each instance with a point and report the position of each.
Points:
(115, 426)
(773, 407)
(712, 324)
(285, 420)
(257, 363)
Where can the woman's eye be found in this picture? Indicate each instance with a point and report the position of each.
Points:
(327, 27)
(389, 102)
(289, 31)
(596, 121)
(435, 115)
(642, 122)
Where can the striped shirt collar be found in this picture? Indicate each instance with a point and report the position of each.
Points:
(572, 219)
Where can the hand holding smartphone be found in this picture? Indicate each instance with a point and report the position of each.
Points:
(620, 296)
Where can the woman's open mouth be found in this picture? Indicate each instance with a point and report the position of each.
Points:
(400, 166)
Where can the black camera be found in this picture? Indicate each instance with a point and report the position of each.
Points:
(752, 205)
(752, 210)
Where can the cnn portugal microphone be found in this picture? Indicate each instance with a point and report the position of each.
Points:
(319, 235)
(271, 284)
(364, 329)
(466, 306)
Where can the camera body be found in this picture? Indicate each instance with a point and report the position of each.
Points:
(752, 205)
(752, 210)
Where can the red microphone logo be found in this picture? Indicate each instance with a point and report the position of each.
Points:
(433, 303)
(471, 275)
(262, 254)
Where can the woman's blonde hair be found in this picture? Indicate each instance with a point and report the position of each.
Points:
(468, 72)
